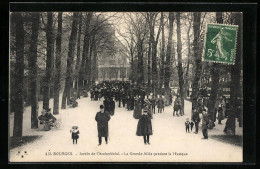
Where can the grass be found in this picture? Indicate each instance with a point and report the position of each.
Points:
(19, 141)
(234, 140)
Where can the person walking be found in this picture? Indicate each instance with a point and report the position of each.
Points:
(160, 104)
(196, 120)
(153, 103)
(102, 119)
(176, 106)
(106, 104)
(205, 122)
(144, 127)
(111, 106)
(138, 109)
(147, 105)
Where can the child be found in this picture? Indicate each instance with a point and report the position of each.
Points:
(75, 134)
(187, 125)
(191, 125)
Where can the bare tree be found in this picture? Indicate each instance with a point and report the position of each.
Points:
(72, 45)
(235, 85)
(214, 72)
(56, 92)
(151, 20)
(162, 53)
(47, 80)
(189, 55)
(85, 51)
(78, 56)
(169, 52)
(197, 58)
(33, 68)
(180, 70)
(19, 74)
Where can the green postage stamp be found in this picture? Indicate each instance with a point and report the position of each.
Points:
(220, 43)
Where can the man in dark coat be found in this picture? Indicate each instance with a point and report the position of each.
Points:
(132, 102)
(160, 104)
(102, 119)
(138, 108)
(196, 120)
(144, 127)
(123, 97)
(153, 103)
(111, 106)
(205, 122)
(106, 104)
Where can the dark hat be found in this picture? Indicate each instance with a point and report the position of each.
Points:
(145, 109)
(101, 106)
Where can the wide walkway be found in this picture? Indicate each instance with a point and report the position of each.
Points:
(169, 142)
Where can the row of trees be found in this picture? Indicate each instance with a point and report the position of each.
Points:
(51, 42)
(145, 32)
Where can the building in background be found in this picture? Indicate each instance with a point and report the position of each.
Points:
(114, 65)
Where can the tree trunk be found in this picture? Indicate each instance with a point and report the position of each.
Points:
(197, 59)
(47, 80)
(235, 85)
(180, 70)
(162, 54)
(56, 92)
(167, 73)
(94, 63)
(78, 56)
(140, 73)
(72, 44)
(84, 53)
(149, 66)
(89, 62)
(32, 64)
(19, 75)
(214, 71)
(188, 64)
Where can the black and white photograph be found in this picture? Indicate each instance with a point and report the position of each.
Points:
(100, 86)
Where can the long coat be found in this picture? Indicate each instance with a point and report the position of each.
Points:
(102, 124)
(138, 109)
(147, 105)
(205, 121)
(106, 104)
(160, 103)
(144, 126)
(112, 107)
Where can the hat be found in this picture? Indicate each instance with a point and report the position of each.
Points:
(145, 109)
(101, 106)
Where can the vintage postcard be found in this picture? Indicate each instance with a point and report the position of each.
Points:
(126, 86)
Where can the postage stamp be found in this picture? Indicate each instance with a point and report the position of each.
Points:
(220, 43)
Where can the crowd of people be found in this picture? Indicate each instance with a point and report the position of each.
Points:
(132, 97)
(135, 97)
